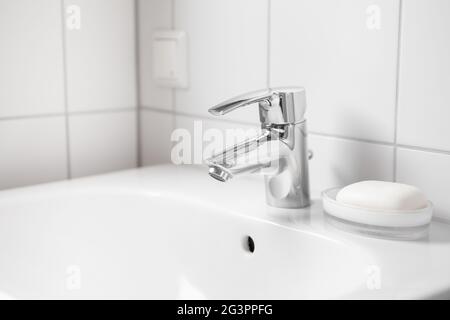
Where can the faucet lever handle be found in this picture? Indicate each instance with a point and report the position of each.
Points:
(285, 105)
(263, 97)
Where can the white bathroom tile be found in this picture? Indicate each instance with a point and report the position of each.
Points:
(227, 53)
(156, 130)
(102, 142)
(153, 15)
(31, 60)
(101, 58)
(430, 172)
(32, 151)
(340, 162)
(424, 96)
(344, 59)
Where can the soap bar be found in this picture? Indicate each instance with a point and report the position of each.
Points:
(383, 196)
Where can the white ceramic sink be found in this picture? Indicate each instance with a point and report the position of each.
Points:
(174, 233)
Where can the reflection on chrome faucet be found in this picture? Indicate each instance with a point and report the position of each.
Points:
(279, 152)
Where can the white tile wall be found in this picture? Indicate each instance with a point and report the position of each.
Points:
(153, 15)
(347, 68)
(156, 130)
(31, 58)
(424, 96)
(227, 53)
(101, 64)
(32, 151)
(430, 172)
(102, 142)
(339, 162)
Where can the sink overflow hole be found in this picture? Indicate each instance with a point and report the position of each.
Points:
(249, 244)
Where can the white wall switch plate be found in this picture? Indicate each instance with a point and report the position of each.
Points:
(170, 59)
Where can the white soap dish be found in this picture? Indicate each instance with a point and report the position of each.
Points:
(390, 224)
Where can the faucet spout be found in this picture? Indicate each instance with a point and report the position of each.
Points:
(250, 156)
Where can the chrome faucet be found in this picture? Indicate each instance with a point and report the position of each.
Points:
(279, 152)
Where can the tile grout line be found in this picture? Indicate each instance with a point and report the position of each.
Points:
(65, 85)
(70, 113)
(101, 111)
(172, 14)
(29, 117)
(138, 83)
(397, 89)
(361, 140)
(423, 149)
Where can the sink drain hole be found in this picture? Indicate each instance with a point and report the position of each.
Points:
(249, 244)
